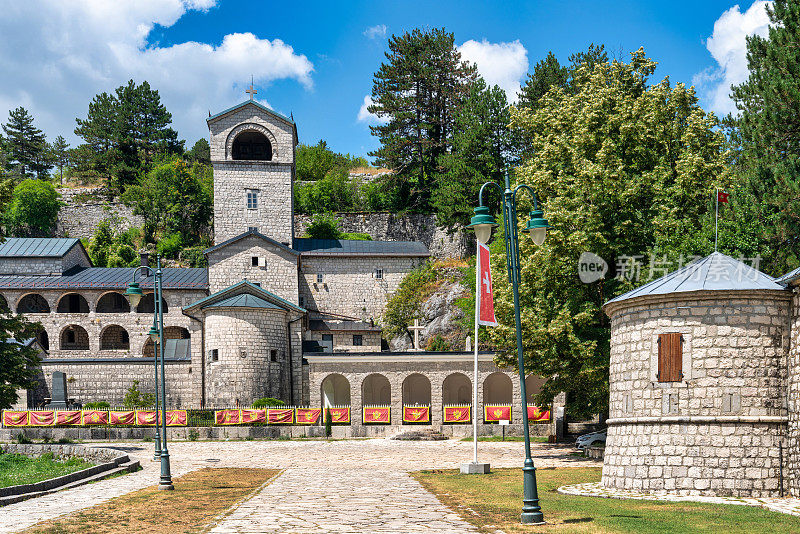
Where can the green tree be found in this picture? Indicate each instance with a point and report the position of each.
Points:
(19, 362)
(98, 154)
(335, 192)
(200, 152)
(314, 162)
(59, 155)
(418, 90)
(25, 145)
(109, 248)
(483, 148)
(767, 136)
(33, 209)
(623, 169)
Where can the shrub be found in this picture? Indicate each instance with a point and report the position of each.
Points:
(136, 399)
(170, 245)
(33, 209)
(22, 439)
(324, 226)
(405, 304)
(438, 344)
(194, 435)
(356, 236)
(267, 401)
(97, 405)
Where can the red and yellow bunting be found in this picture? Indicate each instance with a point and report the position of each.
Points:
(307, 416)
(146, 417)
(535, 413)
(280, 416)
(228, 417)
(41, 418)
(494, 413)
(457, 414)
(339, 415)
(416, 414)
(94, 417)
(177, 418)
(127, 417)
(377, 415)
(253, 415)
(68, 418)
(15, 418)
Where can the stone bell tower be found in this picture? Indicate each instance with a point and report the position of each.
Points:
(252, 153)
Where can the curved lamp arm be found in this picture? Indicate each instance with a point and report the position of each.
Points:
(480, 193)
(531, 191)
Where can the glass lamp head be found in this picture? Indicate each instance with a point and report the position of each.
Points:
(537, 227)
(483, 224)
(153, 334)
(133, 294)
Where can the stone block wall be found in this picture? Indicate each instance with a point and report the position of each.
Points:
(30, 266)
(724, 419)
(792, 444)
(349, 286)
(78, 219)
(343, 341)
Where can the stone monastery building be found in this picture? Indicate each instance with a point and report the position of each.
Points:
(273, 315)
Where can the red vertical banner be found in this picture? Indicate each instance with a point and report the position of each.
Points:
(41, 418)
(484, 290)
(254, 415)
(94, 417)
(68, 418)
(535, 413)
(280, 416)
(307, 416)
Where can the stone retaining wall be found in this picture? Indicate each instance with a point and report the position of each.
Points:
(86, 208)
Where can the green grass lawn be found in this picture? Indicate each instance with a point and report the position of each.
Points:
(18, 469)
(534, 439)
(494, 501)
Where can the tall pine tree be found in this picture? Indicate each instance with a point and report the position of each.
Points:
(25, 145)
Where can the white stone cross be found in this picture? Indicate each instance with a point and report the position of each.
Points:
(251, 91)
(416, 328)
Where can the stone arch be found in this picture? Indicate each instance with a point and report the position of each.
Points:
(148, 304)
(3, 303)
(72, 303)
(254, 129)
(335, 390)
(112, 302)
(376, 390)
(416, 389)
(43, 339)
(170, 332)
(33, 303)
(533, 385)
(74, 337)
(457, 389)
(114, 337)
(498, 389)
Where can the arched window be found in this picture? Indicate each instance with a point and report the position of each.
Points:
(114, 337)
(112, 303)
(533, 385)
(43, 339)
(33, 303)
(74, 337)
(416, 389)
(3, 304)
(335, 391)
(457, 389)
(170, 332)
(251, 145)
(376, 390)
(148, 304)
(498, 389)
(72, 303)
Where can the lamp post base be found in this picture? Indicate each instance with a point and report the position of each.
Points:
(474, 469)
(532, 519)
(166, 487)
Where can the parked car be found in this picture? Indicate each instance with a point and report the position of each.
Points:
(593, 438)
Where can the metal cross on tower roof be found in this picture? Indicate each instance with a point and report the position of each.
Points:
(251, 91)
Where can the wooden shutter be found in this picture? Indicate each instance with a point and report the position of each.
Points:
(670, 357)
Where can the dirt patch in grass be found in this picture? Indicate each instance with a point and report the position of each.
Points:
(16, 469)
(198, 498)
(494, 501)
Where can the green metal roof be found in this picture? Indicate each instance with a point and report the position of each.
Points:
(262, 107)
(351, 247)
(37, 247)
(241, 288)
(244, 300)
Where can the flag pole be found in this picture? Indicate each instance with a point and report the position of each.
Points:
(475, 370)
(716, 219)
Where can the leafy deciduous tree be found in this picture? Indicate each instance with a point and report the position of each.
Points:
(33, 209)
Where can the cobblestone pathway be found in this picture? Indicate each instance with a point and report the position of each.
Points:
(336, 486)
(594, 489)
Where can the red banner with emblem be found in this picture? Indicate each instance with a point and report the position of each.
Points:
(280, 416)
(228, 417)
(416, 414)
(41, 418)
(127, 417)
(535, 413)
(68, 418)
(307, 416)
(457, 414)
(254, 415)
(146, 417)
(376, 415)
(15, 418)
(339, 415)
(94, 417)
(493, 413)
(177, 417)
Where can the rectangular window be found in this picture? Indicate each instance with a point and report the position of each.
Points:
(252, 228)
(358, 340)
(670, 357)
(252, 199)
(327, 337)
(214, 355)
(273, 355)
(378, 274)
(254, 261)
(319, 278)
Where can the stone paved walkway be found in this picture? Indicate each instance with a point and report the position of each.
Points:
(325, 487)
(595, 489)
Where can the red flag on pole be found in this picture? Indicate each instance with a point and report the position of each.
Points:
(484, 290)
(722, 196)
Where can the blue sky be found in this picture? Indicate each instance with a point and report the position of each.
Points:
(316, 59)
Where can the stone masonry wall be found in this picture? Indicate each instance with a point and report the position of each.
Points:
(343, 341)
(385, 226)
(717, 430)
(85, 208)
(792, 448)
(349, 286)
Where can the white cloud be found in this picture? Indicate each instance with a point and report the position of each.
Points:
(370, 118)
(728, 47)
(55, 56)
(376, 32)
(502, 64)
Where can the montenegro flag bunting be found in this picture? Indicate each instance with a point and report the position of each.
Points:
(495, 413)
(254, 415)
(457, 414)
(122, 418)
(146, 417)
(280, 416)
(15, 418)
(68, 418)
(228, 417)
(94, 417)
(377, 415)
(42, 418)
(177, 418)
(307, 416)
(535, 413)
(339, 415)
(416, 414)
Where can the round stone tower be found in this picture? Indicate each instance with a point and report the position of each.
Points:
(698, 378)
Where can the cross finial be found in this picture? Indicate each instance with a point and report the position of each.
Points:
(251, 91)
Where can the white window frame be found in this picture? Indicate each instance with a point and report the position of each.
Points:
(251, 199)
